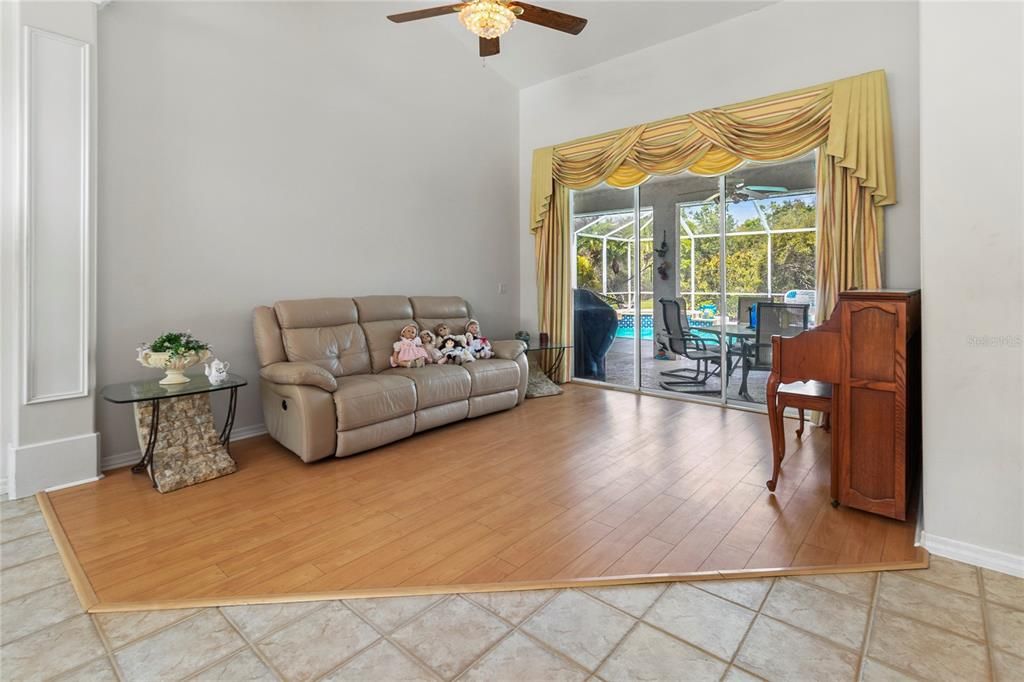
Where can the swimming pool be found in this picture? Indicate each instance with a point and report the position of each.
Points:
(627, 323)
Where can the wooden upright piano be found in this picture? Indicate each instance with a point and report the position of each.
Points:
(870, 351)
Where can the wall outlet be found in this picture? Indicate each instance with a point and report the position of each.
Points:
(502, 288)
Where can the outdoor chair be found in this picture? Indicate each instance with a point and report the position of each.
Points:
(773, 319)
(707, 358)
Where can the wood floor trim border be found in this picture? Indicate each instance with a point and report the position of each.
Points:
(918, 562)
(79, 580)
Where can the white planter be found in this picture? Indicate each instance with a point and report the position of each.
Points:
(174, 367)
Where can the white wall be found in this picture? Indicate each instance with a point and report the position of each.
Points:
(251, 152)
(972, 259)
(782, 47)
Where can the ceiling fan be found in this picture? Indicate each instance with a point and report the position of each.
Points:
(744, 192)
(490, 19)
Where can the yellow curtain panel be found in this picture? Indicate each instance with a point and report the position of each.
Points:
(847, 119)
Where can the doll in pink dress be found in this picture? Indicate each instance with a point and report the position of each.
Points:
(408, 350)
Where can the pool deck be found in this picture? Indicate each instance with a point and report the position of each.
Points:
(619, 372)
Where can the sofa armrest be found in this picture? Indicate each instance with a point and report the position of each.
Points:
(299, 374)
(509, 349)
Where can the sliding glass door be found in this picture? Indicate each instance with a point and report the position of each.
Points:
(605, 240)
(669, 276)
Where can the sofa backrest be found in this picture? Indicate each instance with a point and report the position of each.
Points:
(382, 319)
(430, 311)
(348, 336)
(324, 331)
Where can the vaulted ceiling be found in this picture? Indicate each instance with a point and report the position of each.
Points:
(531, 54)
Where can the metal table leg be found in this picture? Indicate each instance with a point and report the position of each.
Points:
(549, 371)
(229, 422)
(146, 463)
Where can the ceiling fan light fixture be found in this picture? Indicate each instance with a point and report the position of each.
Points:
(488, 18)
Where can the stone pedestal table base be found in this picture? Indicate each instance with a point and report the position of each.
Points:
(188, 449)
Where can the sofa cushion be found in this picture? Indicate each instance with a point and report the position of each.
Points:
(436, 384)
(340, 350)
(382, 319)
(492, 376)
(430, 311)
(366, 399)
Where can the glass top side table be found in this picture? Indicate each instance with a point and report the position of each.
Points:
(556, 352)
(152, 392)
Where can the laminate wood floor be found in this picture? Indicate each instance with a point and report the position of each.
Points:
(594, 484)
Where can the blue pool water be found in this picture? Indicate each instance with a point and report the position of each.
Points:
(627, 323)
(627, 333)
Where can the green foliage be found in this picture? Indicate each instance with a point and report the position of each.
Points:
(794, 266)
(795, 214)
(588, 265)
(178, 344)
(703, 219)
(587, 276)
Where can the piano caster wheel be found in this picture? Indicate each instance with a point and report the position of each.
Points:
(771, 485)
(835, 504)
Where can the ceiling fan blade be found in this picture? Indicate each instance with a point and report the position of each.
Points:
(489, 48)
(423, 13)
(559, 21)
(713, 197)
(767, 188)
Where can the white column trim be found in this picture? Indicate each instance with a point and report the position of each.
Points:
(30, 394)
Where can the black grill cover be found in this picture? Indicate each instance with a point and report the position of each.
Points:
(594, 325)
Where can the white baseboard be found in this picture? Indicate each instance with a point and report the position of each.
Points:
(974, 554)
(92, 479)
(123, 459)
(40, 466)
(3, 486)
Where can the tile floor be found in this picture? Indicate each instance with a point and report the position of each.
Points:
(949, 622)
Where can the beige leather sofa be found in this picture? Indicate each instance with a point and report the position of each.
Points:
(328, 388)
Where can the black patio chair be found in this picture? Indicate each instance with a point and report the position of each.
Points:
(707, 358)
(773, 319)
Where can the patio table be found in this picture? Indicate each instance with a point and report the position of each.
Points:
(737, 331)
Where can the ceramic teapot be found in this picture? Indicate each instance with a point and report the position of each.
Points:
(216, 371)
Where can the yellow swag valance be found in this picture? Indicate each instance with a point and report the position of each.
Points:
(847, 120)
(850, 116)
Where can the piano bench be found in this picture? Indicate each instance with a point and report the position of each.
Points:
(810, 395)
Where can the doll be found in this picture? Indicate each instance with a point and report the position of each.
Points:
(477, 344)
(408, 350)
(452, 351)
(442, 330)
(430, 345)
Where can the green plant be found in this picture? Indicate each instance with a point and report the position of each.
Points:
(177, 344)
